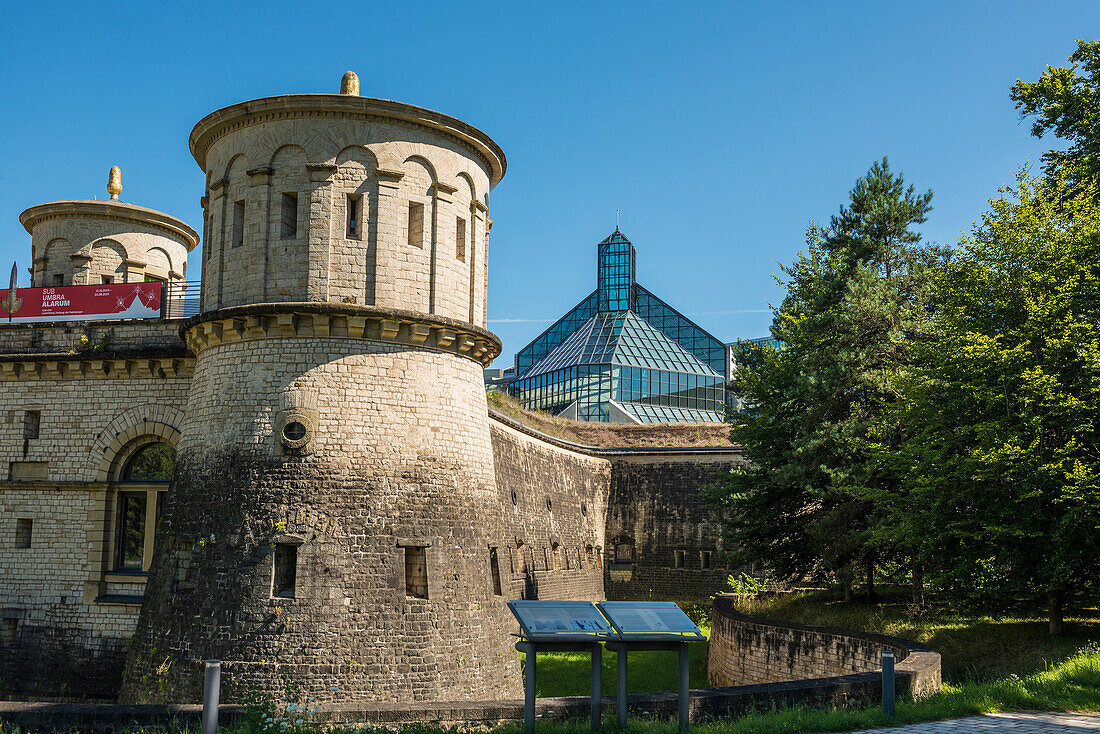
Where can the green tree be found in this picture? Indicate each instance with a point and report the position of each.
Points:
(1067, 103)
(816, 403)
(1002, 489)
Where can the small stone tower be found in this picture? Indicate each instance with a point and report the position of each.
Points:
(334, 492)
(90, 242)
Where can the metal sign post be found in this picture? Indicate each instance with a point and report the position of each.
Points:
(888, 682)
(651, 626)
(560, 626)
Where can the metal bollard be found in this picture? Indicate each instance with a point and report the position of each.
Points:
(210, 692)
(888, 682)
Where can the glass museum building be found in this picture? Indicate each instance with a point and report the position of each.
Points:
(623, 355)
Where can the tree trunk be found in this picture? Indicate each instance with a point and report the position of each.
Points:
(869, 564)
(1057, 623)
(918, 584)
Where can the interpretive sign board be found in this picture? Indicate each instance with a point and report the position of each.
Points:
(560, 619)
(82, 302)
(649, 618)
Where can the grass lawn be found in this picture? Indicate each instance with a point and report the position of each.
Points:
(568, 673)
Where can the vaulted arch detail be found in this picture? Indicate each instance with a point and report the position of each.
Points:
(123, 436)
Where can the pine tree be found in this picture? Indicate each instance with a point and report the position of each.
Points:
(813, 431)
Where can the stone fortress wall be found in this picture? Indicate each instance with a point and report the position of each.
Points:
(342, 510)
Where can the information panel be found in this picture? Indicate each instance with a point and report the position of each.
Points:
(558, 619)
(82, 302)
(649, 618)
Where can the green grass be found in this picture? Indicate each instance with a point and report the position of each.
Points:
(569, 673)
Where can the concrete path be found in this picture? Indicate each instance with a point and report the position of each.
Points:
(1015, 723)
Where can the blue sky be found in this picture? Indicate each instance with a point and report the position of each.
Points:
(717, 129)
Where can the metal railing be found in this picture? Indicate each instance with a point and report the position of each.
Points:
(182, 299)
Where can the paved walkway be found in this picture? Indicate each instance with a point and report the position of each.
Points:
(1015, 723)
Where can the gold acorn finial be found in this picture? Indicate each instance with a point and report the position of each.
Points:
(349, 84)
(114, 183)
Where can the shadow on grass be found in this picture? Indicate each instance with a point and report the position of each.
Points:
(569, 673)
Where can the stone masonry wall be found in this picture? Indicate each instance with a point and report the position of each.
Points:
(388, 169)
(56, 638)
(118, 338)
(399, 469)
(553, 503)
(656, 509)
(748, 650)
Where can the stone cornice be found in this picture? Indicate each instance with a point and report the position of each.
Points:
(78, 367)
(340, 321)
(114, 210)
(348, 107)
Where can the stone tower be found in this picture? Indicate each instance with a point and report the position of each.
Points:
(89, 242)
(328, 524)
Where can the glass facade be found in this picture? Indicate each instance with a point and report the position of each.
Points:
(623, 355)
(615, 273)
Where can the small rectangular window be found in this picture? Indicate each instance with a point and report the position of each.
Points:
(521, 559)
(416, 572)
(8, 629)
(599, 557)
(23, 532)
(289, 216)
(704, 560)
(624, 553)
(58, 279)
(238, 223)
(416, 224)
(286, 570)
(32, 420)
(354, 216)
(130, 552)
(494, 571)
(460, 239)
(680, 556)
(106, 279)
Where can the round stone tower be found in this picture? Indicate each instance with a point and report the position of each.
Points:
(90, 242)
(328, 525)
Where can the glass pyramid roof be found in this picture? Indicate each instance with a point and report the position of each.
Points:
(645, 413)
(621, 338)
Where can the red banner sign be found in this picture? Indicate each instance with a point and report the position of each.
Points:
(82, 302)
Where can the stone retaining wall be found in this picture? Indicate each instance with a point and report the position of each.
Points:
(747, 650)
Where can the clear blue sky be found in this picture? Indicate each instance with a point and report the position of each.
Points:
(719, 130)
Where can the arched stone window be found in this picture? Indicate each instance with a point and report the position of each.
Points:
(141, 485)
(152, 462)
